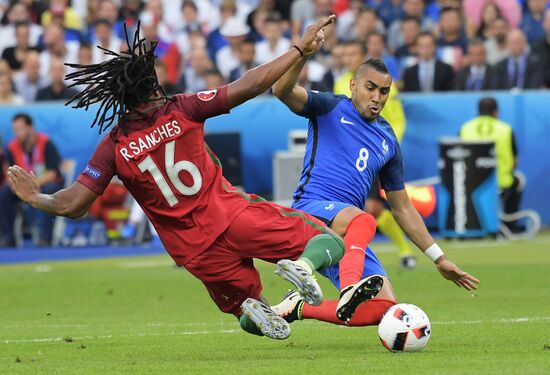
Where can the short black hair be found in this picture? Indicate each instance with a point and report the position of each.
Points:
(103, 21)
(273, 17)
(249, 40)
(23, 116)
(414, 19)
(487, 106)
(476, 42)
(21, 24)
(212, 72)
(503, 19)
(449, 10)
(188, 3)
(375, 64)
(368, 10)
(355, 42)
(428, 34)
(377, 34)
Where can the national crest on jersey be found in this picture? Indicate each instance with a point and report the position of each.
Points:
(345, 152)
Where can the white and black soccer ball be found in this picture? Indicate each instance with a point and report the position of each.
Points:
(404, 328)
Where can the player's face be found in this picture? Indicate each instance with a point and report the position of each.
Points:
(375, 46)
(22, 131)
(5, 85)
(369, 92)
(246, 54)
(410, 30)
(477, 54)
(426, 47)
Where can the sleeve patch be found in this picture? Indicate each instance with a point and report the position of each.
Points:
(92, 172)
(206, 96)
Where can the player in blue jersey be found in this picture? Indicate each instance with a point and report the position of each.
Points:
(349, 144)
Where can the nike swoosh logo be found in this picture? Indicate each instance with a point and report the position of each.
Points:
(328, 253)
(344, 121)
(353, 247)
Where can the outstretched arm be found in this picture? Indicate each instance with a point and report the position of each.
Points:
(257, 80)
(294, 96)
(73, 202)
(412, 224)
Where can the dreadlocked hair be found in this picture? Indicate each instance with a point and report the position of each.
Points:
(120, 84)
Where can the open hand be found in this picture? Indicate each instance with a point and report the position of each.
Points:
(23, 183)
(314, 36)
(450, 271)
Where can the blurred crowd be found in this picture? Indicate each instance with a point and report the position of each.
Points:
(428, 45)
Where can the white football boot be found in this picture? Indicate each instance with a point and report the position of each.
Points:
(302, 279)
(269, 323)
(290, 308)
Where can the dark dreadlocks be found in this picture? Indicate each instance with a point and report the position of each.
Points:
(120, 84)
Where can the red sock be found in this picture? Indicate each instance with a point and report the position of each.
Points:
(359, 234)
(367, 314)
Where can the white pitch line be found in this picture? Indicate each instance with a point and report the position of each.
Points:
(230, 331)
(151, 334)
(42, 268)
(507, 321)
(151, 324)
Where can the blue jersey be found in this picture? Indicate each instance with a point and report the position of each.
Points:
(345, 153)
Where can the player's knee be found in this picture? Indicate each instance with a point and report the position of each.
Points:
(341, 221)
(365, 221)
(330, 243)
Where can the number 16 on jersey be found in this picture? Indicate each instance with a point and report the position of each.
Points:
(172, 170)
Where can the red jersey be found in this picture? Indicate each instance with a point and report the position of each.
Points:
(170, 171)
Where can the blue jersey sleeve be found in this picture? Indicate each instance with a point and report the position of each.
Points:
(319, 103)
(391, 174)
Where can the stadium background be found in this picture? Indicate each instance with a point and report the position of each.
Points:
(192, 46)
(264, 124)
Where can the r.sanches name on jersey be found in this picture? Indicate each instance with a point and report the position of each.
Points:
(149, 140)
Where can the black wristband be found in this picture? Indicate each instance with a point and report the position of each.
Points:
(299, 50)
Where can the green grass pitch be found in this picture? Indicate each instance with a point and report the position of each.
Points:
(143, 316)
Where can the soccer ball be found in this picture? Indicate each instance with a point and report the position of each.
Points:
(404, 328)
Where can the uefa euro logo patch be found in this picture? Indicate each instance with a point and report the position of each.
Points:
(93, 173)
(206, 96)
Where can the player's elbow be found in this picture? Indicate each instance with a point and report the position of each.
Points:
(76, 214)
(68, 211)
(71, 210)
(282, 91)
(405, 213)
(279, 91)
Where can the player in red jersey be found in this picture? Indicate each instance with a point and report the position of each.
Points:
(157, 150)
